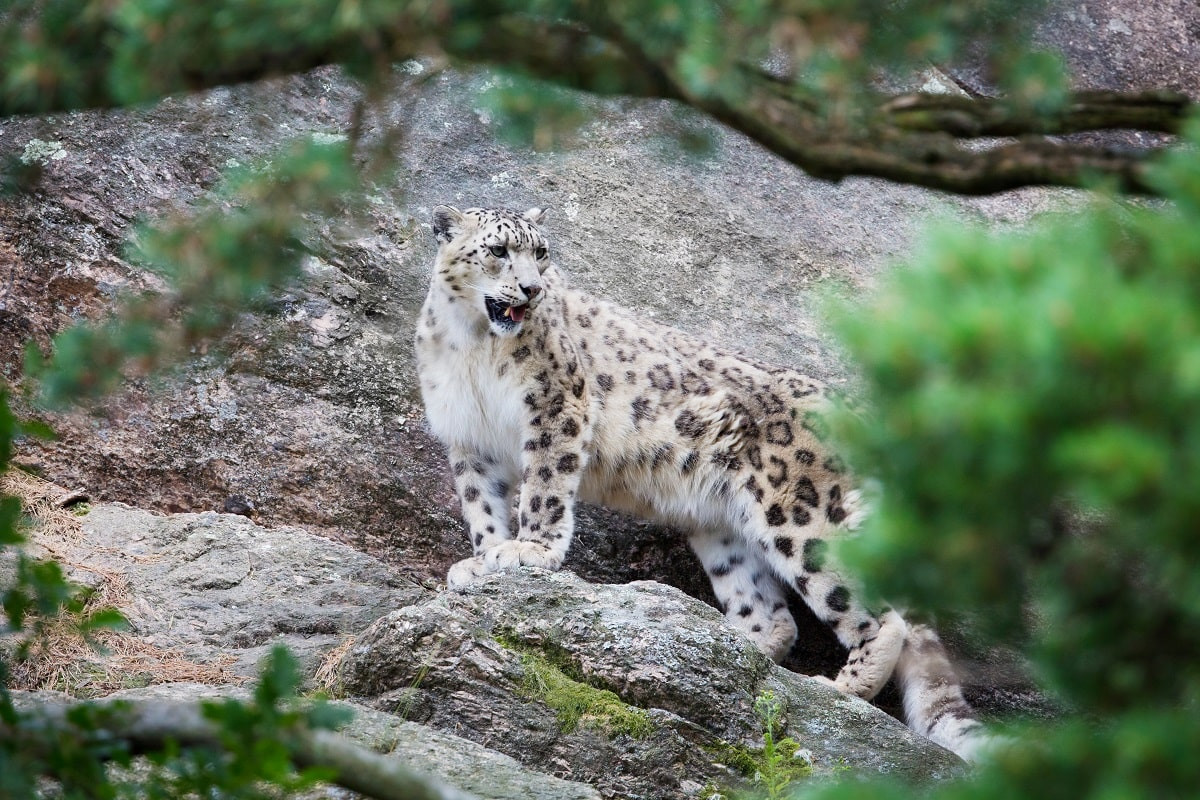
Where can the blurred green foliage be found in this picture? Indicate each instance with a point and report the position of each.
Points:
(82, 53)
(1034, 428)
(249, 756)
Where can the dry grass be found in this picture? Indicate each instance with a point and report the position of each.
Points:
(328, 676)
(60, 657)
(44, 503)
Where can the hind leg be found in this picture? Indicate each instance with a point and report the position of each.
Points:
(790, 527)
(747, 590)
(798, 553)
(874, 641)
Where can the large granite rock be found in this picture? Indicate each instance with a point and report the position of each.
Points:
(463, 663)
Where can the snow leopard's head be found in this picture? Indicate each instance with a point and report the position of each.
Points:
(493, 260)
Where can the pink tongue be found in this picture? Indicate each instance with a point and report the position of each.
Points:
(518, 313)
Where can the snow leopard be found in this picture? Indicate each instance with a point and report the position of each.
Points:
(546, 396)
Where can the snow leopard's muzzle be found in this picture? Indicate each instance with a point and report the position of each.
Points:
(508, 316)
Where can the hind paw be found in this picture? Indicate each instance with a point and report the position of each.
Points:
(776, 637)
(871, 663)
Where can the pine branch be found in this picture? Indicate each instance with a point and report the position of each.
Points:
(922, 139)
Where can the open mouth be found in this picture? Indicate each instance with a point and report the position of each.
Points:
(503, 314)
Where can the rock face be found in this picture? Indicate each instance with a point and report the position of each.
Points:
(314, 418)
(658, 697)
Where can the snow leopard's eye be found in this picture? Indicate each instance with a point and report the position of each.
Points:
(498, 250)
(540, 253)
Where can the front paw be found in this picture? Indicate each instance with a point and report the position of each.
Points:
(518, 553)
(466, 572)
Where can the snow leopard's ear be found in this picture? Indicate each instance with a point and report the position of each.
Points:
(536, 215)
(447, 222)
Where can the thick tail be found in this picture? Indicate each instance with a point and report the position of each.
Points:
(934, 705)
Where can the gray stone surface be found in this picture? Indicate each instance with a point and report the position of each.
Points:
(455, 663)
(211, 585)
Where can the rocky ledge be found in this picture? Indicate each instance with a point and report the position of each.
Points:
(531, 684)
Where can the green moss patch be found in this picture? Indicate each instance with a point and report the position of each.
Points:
(574, 702)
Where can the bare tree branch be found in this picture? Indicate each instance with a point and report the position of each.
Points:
(936, 159)
(905, 141)
(145, 726)
(1160, 111)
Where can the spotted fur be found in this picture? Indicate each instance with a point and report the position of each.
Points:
(545, 396)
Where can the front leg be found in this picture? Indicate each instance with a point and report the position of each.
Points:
(553, 457)
(485, 491)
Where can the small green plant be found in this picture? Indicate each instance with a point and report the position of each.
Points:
(782, 761)
(774, 767)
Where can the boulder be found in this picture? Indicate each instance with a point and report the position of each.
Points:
(491, 664)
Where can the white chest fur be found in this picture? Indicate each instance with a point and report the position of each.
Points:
(467, 401)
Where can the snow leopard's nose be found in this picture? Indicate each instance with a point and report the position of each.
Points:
(531, 291)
